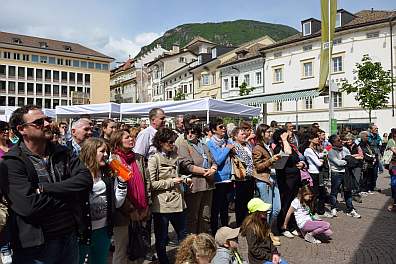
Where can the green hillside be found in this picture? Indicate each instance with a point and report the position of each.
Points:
(229, 33)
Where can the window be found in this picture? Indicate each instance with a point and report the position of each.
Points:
(68, 48)
(337, 99)
(337, 41)
(98, 66)
(214, 78)
(39, 102)
(205, 79)
(169, 94)
(307, 28)
(278, 54)
(307, 48)
(59, 61)
(11, 87)
(39, 74)
(51, 60)
(2, 100)
(2, 86)
(338, 20)
(17, 56)
(11, 101)
(278, 75)
(80, 89)
(91, 65)
(199, 59)
(71, 90)
(185, 88)
(6, 55)
(72, 77)
(55, 103)
(11, 71)
(16, 41)
(43, 59)
(30, 73)
(105, 67)
(21, 88)
(278, 106)
(182, 59)
(84, 64)
(64, 90)
(35, 58)
(47, 103)
(47, 74)
(79, 78)
(21, 72)
(246, 79)
(307, 69)
(30, 88)
(43, 45)
(373, 34)
(56, 90)
(25, 57)
(30, 101)
(47, 90)
(64, 76)
(2, 70)
(76, 63)
(234, 82)
(87, 79)
(337, 64)
(308, 103)
(39, 89)
(21, 101)
(190, 87)
(226, 87)
(56, 76)
(63, 102)
(214, 53)
(258, 78)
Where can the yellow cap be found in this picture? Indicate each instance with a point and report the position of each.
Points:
(256, 204)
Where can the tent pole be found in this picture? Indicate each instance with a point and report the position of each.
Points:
(207, 117)
(297, 114)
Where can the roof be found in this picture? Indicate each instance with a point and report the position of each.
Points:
(198, 39)
(125, 66)
(361, 19)
(54, 45)
(168, 56)
(250, 53)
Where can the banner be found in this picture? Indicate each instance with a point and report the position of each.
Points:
(327, 38)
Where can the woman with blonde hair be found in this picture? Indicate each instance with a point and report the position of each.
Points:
(103, 199)
(196, 249)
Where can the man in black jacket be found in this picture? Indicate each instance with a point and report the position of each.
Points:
(45, 193)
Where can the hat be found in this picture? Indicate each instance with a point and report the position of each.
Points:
(256, 204)
(225, 233)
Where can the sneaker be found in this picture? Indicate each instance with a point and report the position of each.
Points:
(295, 233)
(363, 194)
(273, 237)
(327, 215)
(309, 238)
(354, 214)
(334, 212)
(370, 192)
(287, 234)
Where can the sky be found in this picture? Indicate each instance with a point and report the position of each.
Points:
(119, 28)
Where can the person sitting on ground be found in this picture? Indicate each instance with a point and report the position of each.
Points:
(256, 230)
(196, 249)
(310, 225)
(227, 246)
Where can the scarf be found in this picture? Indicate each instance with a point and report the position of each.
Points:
(218, 141)
(199, 148)
(136, 192)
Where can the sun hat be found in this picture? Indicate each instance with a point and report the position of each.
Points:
(226, 233)
(256, 204)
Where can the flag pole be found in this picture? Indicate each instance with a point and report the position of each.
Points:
(331, 103)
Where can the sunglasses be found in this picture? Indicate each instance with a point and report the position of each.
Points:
(170, 142)
(222, 127)
(38, 122)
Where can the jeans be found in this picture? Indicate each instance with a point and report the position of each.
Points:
(337, 178)
(244, 192)
(270, 194)
(161, 224)
(63, 250)
(220, 206)
(392, 172)
(317, 227)
(98, 251)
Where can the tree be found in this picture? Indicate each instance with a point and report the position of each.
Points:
(372, 86)
(244, 90)
(179, 96)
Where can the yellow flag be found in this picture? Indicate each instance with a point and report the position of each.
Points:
(327, 38)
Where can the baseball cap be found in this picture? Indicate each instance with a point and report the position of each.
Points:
(256, 204)
(225, 233)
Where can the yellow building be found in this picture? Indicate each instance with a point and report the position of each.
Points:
(207, 79)
(48, 72)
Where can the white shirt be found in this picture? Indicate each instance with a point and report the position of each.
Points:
(144, 142)
(300, 213)
(314, 163)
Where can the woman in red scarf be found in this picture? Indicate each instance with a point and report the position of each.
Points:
(135, 208)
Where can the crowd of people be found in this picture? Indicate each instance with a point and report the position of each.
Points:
(62, 201)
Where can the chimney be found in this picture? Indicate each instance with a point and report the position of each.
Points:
(158, 46)
(175, 48)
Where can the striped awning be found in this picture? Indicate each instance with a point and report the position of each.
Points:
(257, 100)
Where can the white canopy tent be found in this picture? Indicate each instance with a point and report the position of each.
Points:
(200, 107)
(10, 109)
(95, 110)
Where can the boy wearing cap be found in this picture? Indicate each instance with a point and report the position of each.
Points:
(227, 242)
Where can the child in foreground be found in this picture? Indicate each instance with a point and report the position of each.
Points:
(227, 244)
(257, 232)
(196, 249)
(309, 224)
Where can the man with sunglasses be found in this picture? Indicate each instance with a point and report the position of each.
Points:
(44, 190)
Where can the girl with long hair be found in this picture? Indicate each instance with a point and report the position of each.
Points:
(302, 208)
(103, 200)
(196, 249)
(135, 206)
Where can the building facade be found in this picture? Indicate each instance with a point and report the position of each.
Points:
(48, 72)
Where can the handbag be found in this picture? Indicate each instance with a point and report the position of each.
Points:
(387, 157)
(138, 245)
(305, 176)
(238, 170)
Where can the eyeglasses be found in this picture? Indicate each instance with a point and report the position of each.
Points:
(38, 122)
(170, 142)
(4, 130)
(222, 127)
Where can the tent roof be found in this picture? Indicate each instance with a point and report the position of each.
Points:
(97, 110)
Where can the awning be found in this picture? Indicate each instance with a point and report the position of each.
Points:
(277, 97)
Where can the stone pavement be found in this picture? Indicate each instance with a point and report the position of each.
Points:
(369, 240)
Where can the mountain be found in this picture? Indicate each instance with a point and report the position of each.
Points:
(229, 33)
